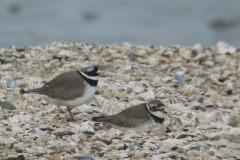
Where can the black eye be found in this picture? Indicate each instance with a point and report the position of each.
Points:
(95, 68)
(154, 107)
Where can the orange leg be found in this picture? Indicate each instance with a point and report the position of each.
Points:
(70, 113)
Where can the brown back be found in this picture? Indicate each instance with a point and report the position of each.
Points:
(66, 86)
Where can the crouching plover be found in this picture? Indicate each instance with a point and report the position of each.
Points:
(138, 117)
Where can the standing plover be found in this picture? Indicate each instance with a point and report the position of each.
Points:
(70, 89)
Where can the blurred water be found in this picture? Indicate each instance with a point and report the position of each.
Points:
(142, 22)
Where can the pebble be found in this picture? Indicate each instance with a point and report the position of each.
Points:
(7, 105)
(46, 128)
(20, 157)
(56, 157)
(62, 132)
(85, 157)
(180, 79)
(11, 83)
(17, 129)
(20, 48)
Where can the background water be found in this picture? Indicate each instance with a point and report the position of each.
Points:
(142, 22)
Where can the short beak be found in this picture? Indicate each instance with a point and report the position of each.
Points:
(101, 75)
(163, 111)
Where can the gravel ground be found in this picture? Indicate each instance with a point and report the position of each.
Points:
(199, 87)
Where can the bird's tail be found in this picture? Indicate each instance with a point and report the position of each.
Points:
(95, 119)
(104, 119)
(22, 91)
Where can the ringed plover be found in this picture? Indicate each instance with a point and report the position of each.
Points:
(70, 89)
(138, 117)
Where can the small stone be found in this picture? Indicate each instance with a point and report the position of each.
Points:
(122, 95)
(163, 67)
(180, 150)
(19, 146)
(159, 130)
(20, 48)
(7, 105)
(180, 79)
(75, 138)
(10, 59)
(172, 156)
(56, 56)
(234, 121)
(124, 147)
(34, 131)
(62, 132)
(139, 156)
(211, 153)
(209, 63)
(11, 83)
(197, 148)
(181, 158)
(9, 129)
(221, 143)
(40, 154)
(128, 49)
(201, 99)
(174, 148)
(56, 157)
(32, 79)
(54, 121)
(85, 157)
(46, 128)
(20, 157)
(64, 53)
(17, 129)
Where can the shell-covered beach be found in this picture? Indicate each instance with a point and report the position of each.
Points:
(199, 86)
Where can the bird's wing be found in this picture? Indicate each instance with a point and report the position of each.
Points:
(129, 117)
(66, 86)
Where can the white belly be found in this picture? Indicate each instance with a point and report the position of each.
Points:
(87, 96)
(138, 128)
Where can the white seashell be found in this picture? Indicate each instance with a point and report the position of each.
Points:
(163, 67)
(223, 48)
(11, 83)
(215, 116)
(161, 156)
(17, 129)
(138, 89)
(234, 121)
(85, 126)
(208, 103)
(168, 78)
(209, 63)
(197, 47)
(148, 95)
(64, 53)
(1, 115)
(184, 135)
(145, 83)
(75, 138)
(7, 141)
(150, 145)
(159, 130)
(4, 122)
(127, 68)
(19, 146)
(133, 84)
(223, 134)
(13, 119)
(132, 137)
